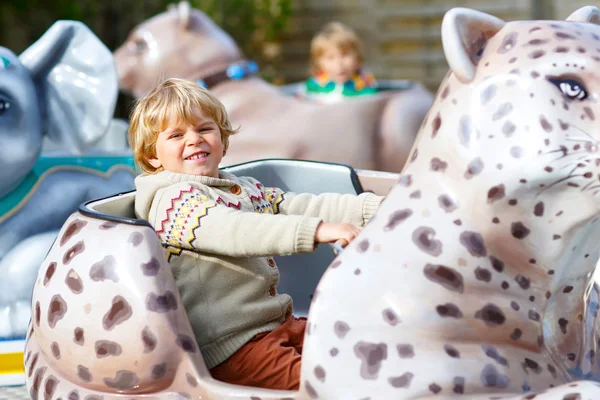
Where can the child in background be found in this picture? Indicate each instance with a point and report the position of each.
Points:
(221, 231)
(337, 66)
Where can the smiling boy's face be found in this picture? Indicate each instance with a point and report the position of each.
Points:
(339, 65)
(190, 147)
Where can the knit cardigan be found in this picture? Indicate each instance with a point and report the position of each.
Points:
(220, 235)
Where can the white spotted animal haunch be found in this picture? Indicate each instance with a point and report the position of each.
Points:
(475, 279)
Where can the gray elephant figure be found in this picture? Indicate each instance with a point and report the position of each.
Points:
(62, 88)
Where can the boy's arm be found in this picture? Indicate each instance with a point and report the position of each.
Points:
(330, 207)
(185, 217)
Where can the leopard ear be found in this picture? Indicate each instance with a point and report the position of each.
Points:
(589, 14)
(465, 33)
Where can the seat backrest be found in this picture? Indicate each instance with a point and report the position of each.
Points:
(300, 273)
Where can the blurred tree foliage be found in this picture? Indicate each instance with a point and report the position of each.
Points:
(256, 25)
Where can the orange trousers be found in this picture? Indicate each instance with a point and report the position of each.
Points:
(269, 360)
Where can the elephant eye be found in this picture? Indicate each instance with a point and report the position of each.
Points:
(4, 106)
(4, 62)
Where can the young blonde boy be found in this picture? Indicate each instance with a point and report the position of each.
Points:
(221, 231)
(337, 66)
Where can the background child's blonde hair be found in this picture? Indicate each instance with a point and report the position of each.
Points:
(172, 100)
(338, 35)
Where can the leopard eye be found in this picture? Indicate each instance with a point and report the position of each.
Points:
(570, 88)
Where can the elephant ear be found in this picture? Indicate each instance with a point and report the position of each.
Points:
(465, 33)
(76, 77)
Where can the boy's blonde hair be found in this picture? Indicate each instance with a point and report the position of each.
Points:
(174, 99)
(338, 35)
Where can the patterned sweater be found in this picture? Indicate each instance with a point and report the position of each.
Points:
(220, 235)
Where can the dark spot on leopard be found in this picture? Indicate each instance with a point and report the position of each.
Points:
(465, 130)
(492, 353)
(502, 111)
(123, 380)
(486, 95)
(563, 36)
(108, 225)
(451, 351)
(312, 393)
(532, 298)
(363, 246)
(320, 373)
(49, 273)
(512, 60)
(161, 304)
(512, 202)
(437, 123)
(84, 374)
(474, 168)
(55, 350)
(495, 220)
(405, 180)
(534, 315)
(107, 348)
(414, 155)
(119, 312)
(74, 282)
(435, 388)
(148, 339)
(405, 351)
(497, 264)
(391, 317)
(402, 381)
(490, 377)
(37, 381)
(38, 313)
(516, 335)
(334, 351)
(495, 193)
(50, 387)
(474, 244)
(78, 336)
(508, 128)
(73, 229)
(93, 397)
(519, 230)
(445, 92)
(561, 49)
(572, 396)
(537, 54)
(56, 310)
(552, 370)
(449, 310)
(529, 364)
(446, 203)
(415, 195)
(372, 355)
(105, 269)
(517, 152)
(396, 218)
(136, 238)
(33, 363)
(459, 385)
(523, 282)
(535, 28)
(567, 289)
(545, 124)
(447, 277)
(335, 264)
(590, 354)
(78, 248)
(74, 395)
(571, 356)
(151, 267)
(191, 380)
(159, 370)
(491, 315)
(186, 343)
(508, 43)
(457, 222)
(589, 113)
(538, 210)
(483, 274)
(537, 42)
(424, 238)
(341, 329)
(438, 165)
